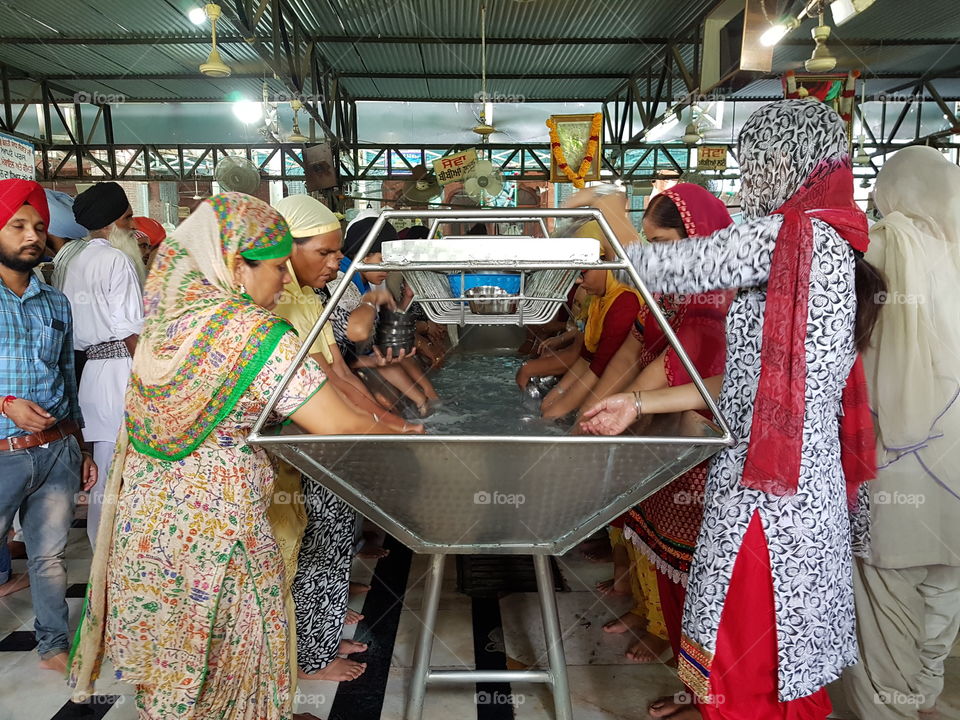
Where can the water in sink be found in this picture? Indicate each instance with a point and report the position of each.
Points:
(480, 397)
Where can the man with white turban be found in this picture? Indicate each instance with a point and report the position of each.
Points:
(104, 284)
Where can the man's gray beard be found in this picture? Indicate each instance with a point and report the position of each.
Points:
(126, 242)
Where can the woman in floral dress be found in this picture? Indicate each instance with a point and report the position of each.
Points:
(185, 594)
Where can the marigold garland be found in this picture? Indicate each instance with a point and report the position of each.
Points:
(577, 178)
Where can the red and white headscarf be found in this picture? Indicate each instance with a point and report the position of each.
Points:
(794, 162)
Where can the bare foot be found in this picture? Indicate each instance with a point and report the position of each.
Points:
(56, 662)
(349, 647)
(628, 622)
(673, 708)
(339, 670)
(931, 714)
(16, 583)
(649, 648)
(358, 588)
(352, 618)
(612, 587)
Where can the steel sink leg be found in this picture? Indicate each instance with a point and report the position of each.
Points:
(563, 709)
(421, 656)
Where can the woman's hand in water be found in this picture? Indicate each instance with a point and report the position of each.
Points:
(610, 416)
(523, 376)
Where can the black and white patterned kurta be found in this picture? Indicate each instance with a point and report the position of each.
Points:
(808, 534)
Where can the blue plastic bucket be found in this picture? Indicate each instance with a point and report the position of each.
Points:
(509, 282)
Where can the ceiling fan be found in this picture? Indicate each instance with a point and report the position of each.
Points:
(484, 127)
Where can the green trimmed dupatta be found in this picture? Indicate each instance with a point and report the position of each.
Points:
(204, 341)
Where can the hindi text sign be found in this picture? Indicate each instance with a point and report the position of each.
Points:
(455, 167)
(712, 157)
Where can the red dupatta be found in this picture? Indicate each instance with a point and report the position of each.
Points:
(776, 432)
(698, 320)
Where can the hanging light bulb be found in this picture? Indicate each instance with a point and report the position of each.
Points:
(776, 32)
(820, 60)
(862, 157)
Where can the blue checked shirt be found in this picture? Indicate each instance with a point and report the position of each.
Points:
(36, 352)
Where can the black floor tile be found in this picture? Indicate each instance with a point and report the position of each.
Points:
(19, 641)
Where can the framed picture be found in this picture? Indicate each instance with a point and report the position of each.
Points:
(573, 133)
(835, 89)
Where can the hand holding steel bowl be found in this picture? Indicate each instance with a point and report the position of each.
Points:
(396, 334)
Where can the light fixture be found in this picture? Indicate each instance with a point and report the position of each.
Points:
(296, 136)
(865, 183)
(197, 16)
(776, 32)
(691, 136)
(214, 66)
(247, 111)
(843, 10)
(820, 60)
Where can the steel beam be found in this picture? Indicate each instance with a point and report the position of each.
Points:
(352, 39)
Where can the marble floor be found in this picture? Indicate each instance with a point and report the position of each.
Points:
(604, 685)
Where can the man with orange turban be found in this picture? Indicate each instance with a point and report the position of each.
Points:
(40, 417)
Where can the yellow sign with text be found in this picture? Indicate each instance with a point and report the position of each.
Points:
(455, 167)
(712, 157)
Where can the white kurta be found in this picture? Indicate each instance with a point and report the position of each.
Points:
(107, 304)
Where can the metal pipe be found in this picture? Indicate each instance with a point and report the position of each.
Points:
(420, 671)
(457, 266)
(452, 677)
(491, 439)
(554, 639)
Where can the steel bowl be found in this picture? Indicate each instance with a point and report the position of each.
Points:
(396, 330)
(491, 300)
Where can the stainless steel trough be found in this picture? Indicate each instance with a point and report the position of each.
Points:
(538, 495)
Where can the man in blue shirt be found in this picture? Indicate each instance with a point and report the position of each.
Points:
(40, 420)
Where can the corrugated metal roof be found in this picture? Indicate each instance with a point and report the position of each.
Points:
(89, 18)
(520, 90)
(415, 19)
(771, 88)
(505, 18)
(874, 60)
